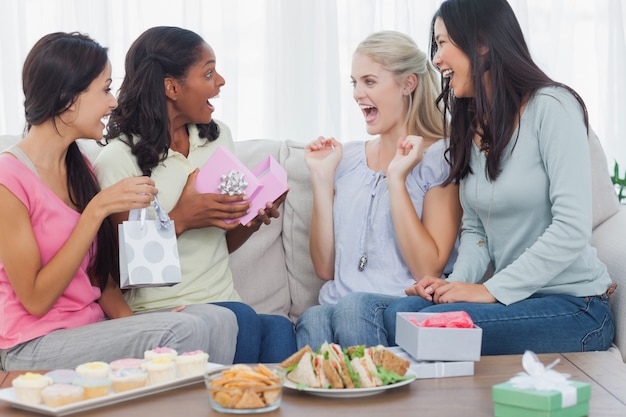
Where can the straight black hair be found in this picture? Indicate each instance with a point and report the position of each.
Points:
(58, 68)
(513, 78)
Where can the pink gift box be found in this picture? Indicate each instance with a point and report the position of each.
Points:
(266, 182)
(273, 179)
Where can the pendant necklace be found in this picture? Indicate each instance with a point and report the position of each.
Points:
(368, 221)
(368, 214)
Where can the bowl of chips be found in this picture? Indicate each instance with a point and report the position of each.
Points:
(244, 389)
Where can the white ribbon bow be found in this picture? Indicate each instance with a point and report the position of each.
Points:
(233, 183)
(544, 378)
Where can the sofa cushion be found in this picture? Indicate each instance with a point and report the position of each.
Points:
(258, 266)
(604, 197)
(304, 285)
(608, 239)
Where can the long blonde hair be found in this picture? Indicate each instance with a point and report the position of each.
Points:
(399, 54)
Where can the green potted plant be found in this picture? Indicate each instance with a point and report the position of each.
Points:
(620, 183)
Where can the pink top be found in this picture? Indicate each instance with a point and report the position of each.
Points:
(52, 221)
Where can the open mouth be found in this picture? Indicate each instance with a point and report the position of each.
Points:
(370, 112)
(447, 73)
(208, 103)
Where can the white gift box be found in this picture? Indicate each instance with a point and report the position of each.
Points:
(435, 369)
(437, 343)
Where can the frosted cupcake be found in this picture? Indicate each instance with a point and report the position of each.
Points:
(128, 378)
(62, 376)
(28, 387)
(93, 370)
(93, 386)
(62, 394)
(125, 363)
(160, 370)
(191, 363)
(160, 352)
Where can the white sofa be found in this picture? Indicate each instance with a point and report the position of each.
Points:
(273, 270)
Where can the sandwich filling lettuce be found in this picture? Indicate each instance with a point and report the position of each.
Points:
(333, 367)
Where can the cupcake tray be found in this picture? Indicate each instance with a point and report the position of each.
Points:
(8, 395)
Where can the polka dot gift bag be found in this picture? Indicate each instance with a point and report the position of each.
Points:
(148, 250)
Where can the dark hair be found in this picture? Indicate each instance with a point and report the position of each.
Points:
(513, 78)
(159, 52)
(58, 68)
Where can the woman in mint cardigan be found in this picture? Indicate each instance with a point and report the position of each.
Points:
(518, 148)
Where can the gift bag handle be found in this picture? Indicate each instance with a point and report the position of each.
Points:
(163, 220)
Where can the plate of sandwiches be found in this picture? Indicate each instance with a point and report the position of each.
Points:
(356, 371)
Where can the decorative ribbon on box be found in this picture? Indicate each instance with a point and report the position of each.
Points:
(224, 173)
(541, 390)
(449, 319)
(148, 251)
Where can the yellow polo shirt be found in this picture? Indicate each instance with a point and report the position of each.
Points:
(206, 275)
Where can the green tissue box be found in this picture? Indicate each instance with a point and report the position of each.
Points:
(513, 402)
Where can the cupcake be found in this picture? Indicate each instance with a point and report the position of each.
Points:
(62, 376)
(28, 387)
(125, 363)
(128, 378)
(61, 394)
(160, 352)
(191, 363)
(93, 370)
(160, 370)
(93, 386)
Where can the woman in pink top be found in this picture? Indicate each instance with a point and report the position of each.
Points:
(58, 258)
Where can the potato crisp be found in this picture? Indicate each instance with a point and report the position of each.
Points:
(245, 387)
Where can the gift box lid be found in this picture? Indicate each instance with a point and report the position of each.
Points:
(221, 163)
(273, 178)
(506, 393)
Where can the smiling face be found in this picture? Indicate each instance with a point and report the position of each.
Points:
(202, 82)
(452, 62)
(93, 105)
(379, 96)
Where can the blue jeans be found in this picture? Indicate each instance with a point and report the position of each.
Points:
(352, 321)
(266, 338)
(542, 323)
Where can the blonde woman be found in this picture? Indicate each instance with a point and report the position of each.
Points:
(381, 217)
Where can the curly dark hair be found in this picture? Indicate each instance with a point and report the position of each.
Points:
(159, 52)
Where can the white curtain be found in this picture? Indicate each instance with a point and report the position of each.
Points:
(287, 62)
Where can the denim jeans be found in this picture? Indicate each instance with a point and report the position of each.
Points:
(354, 320)
(543, 323)
(267, 338)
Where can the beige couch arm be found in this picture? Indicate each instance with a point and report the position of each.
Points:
(609, 239)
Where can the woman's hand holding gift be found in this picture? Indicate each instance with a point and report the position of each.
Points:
(195, 210)
(125, 195)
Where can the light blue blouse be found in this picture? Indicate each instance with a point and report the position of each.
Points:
(535, 219)
(363, 226)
